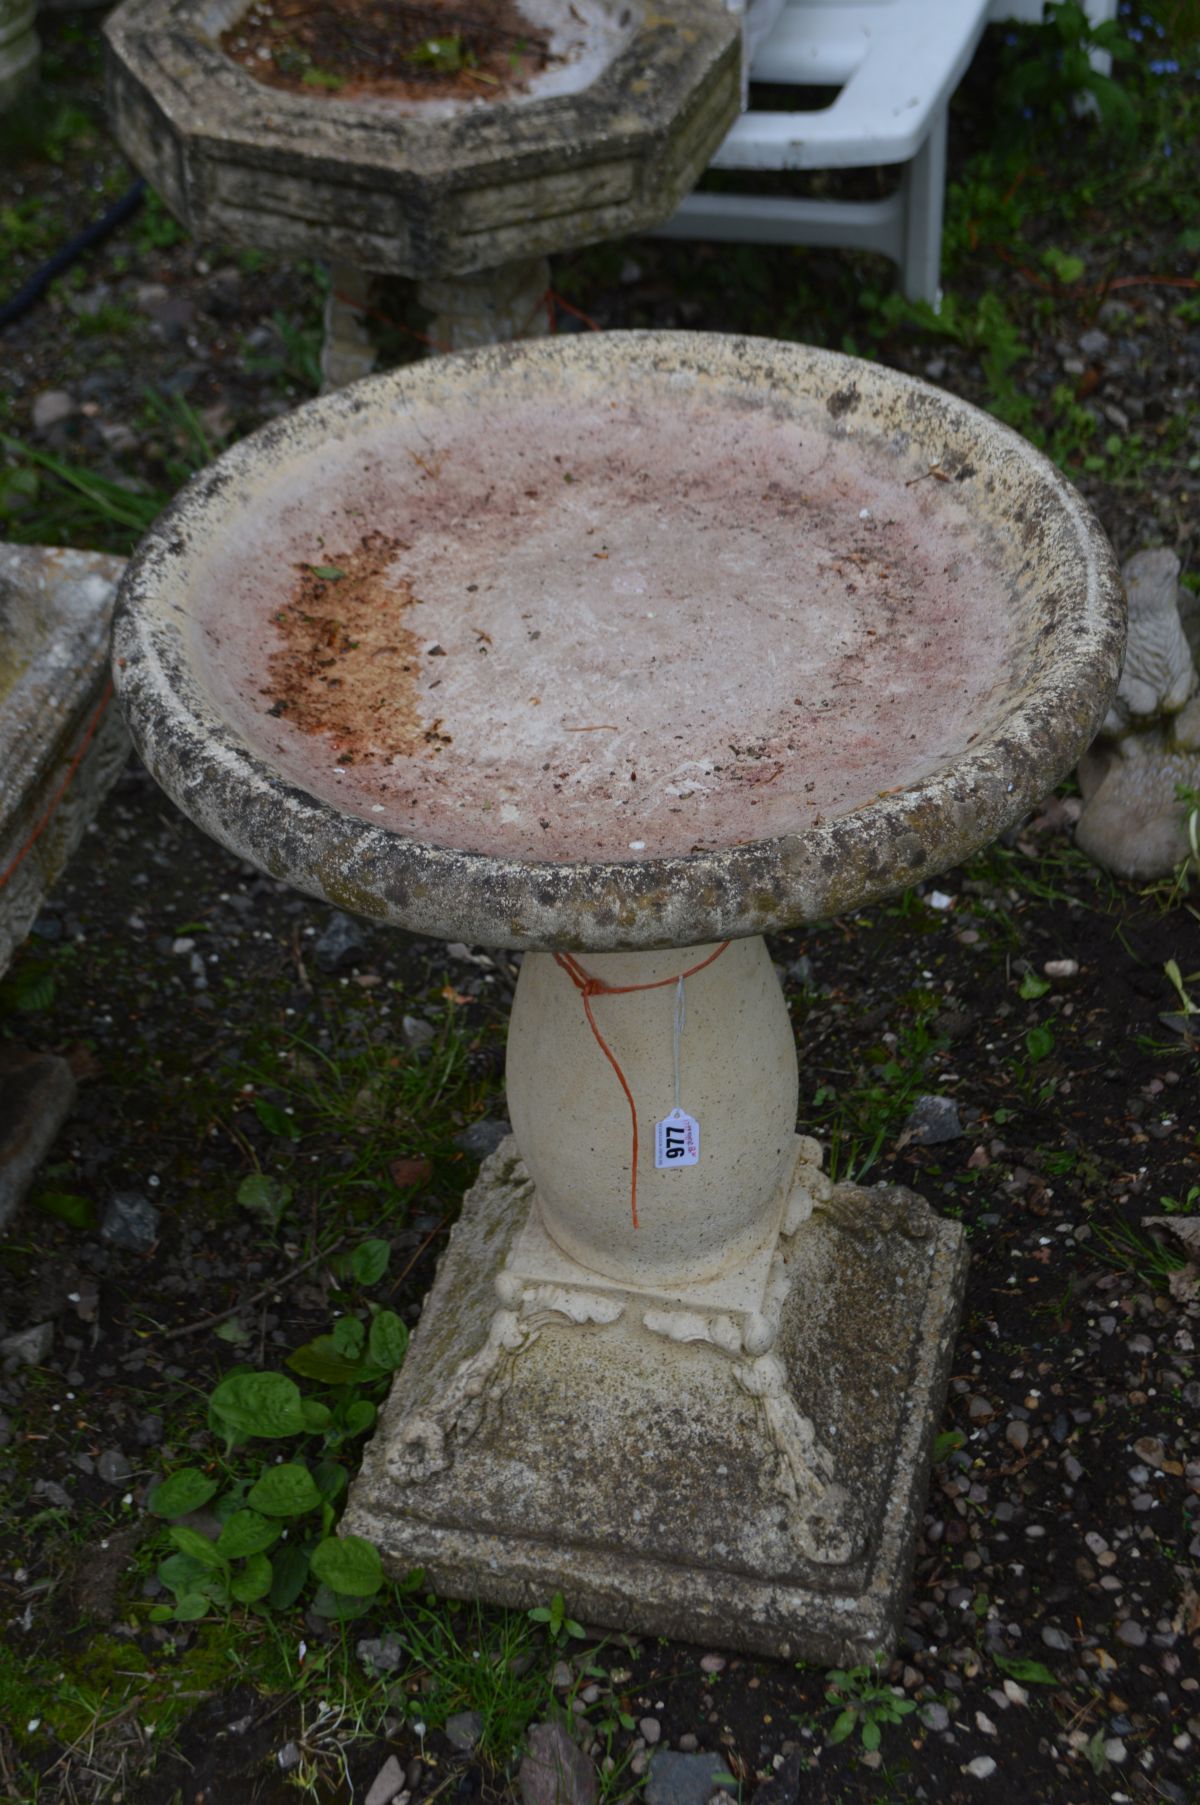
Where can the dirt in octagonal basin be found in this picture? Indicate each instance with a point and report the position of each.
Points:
(443, 49)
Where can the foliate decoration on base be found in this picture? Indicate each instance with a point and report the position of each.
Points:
(872, 1213)
(423, 1442)
(804, 1474)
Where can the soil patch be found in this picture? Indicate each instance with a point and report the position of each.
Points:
(391, 49)
(342, 666)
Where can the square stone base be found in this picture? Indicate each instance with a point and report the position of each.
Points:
(664, 1478)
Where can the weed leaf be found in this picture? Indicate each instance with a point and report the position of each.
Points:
(190, 1608)
(285, 1491)
(275, 1120)
(262, 1404)
(369, 1261)
(360, 1417)
(349, 1337)
(180, 1493)
(348, 1564)
(246, 1533)
(317, 1416)
(79, 1212)
(320, 1360)
(254, 1581)
(290, 1570)
(1025, 1671)
(329, 1477)
(190, 1541)
(264, 1196)
(389, 1340)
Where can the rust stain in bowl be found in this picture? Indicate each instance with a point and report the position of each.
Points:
(346, 665)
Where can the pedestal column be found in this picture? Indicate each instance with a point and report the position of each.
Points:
(574, 1122)
(489, 306)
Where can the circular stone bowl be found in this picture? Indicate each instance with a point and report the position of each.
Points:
(622, 641)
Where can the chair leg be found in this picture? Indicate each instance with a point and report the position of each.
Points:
(923, 191)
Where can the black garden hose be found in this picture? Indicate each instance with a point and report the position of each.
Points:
(39, 282)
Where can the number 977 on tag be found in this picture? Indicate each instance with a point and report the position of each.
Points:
(676, 1141)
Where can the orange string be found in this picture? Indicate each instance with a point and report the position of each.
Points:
(589, 987)
(49, 811)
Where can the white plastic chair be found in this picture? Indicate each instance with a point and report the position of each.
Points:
(895, 63)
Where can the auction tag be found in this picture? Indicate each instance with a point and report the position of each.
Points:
(676, 1140)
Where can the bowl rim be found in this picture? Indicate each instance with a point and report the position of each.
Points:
(236, 795)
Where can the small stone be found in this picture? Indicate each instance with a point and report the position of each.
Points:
(982, 1768)
(464, 1730)
(29, 1346)
(130, 1222)
(51, 407)
(650, 1730)
(1056, 1638)
(932, 1121)
(380, 1654)
(688, 1744)
(1017, 1435)
(1061, 968)
(561, 1676)
(387, 1783)
(934, 1717)
(481, 1139)
(979, 1409)
(340, 943)
(712, 1663)
(1131, 1633)
(1115, 1749)
(289, 1757)
(679, 1779)
(555, 1770)
(1093, 343)
(113, 1467)
(52, 1493)
(417, 1033)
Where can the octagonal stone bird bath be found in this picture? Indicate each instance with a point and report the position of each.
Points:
(467, 193)
(625, 651)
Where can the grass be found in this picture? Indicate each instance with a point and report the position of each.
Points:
(1124, 1249)
(858, 1119)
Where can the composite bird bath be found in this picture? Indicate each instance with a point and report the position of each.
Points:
(572, 123)
(625, 651)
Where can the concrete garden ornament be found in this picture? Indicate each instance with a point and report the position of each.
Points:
(625, 651)
(463, 178)
(1134, 820)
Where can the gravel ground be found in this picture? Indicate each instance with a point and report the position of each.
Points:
(1051, 1639)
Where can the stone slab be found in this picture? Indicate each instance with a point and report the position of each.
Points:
(37, 1091)
(664, 1485)
(60, 748)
